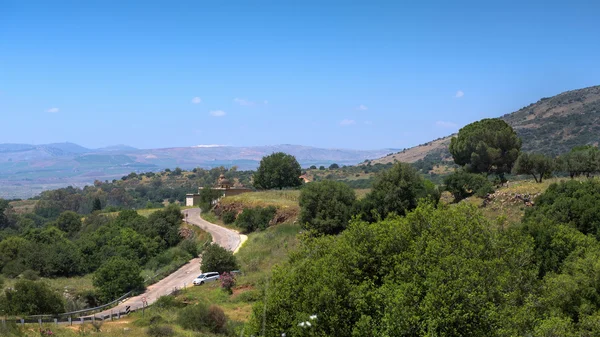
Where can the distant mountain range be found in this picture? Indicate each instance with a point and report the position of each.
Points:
(26, 170)
(552, 125)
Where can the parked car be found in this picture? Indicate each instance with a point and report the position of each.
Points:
(206, 277)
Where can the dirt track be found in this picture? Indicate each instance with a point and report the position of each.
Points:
(184, 276)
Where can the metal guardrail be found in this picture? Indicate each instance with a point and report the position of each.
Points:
(68, 318)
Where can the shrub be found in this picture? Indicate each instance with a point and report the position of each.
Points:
(252, 219)
(326, 206)
(397, 190)
(160, 331)
(463, 184)
(227, 281)
(116, 277)
(167, 302)
(32, 298)
(200, 317)
(190, 246)
(228, 217)
(218, 259)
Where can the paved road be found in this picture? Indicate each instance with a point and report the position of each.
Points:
(187, 273)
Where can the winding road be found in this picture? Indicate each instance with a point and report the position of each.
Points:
(184, 276)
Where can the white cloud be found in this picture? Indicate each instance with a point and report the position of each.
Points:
(362, 107)
(443, 124)
(243, 101)
(368, 122)
(196, 100)
(459, 94)
(52, 110)
(347, 122)
(218, 113)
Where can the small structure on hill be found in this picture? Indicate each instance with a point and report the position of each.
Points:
(223, 184)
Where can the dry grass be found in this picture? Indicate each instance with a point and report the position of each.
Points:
(282, 199)
(23, 206)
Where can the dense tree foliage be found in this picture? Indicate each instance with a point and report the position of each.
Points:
(326, 207)
(255, 218)
(534, 164)
(436, 272)
(488, 146)
(278, 170)
(31, 298)
(218, 259)
(116, 277)
(581, 160)
(463, 184)
(397, 190)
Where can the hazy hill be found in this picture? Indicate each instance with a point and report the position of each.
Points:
(26, 170)
(552, 125)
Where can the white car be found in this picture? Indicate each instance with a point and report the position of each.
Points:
(206, 277)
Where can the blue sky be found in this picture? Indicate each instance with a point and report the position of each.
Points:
(345, 74)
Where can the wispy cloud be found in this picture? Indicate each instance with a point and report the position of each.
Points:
(196, 100)
(459, 94)
(362, 107)
(447, 125)
(53, 110)
(368, 122)
(243, 102)
(217, 113)
(347, 122)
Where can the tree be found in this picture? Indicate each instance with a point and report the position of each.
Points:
(326, 206)
(313, 167)
(5, 209)
(463, 184)
(581, 160)
(321, 168)
(218, 259)
(33, 298)
(488, 146)
(278, 170)
(208, 196)
(536, 164)
(334, 166)
(435, 272)
(69, 222)
(97, 206)
(116, 277)
(396, 190)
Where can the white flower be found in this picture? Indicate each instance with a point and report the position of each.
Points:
(313, 317)
(308, 323)
(301, 324)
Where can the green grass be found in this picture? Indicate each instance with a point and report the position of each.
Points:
(71, 285)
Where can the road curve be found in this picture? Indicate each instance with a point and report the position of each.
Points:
(184, 276)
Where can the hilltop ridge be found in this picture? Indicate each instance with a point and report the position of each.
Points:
(552, 125)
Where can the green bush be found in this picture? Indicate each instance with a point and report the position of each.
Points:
(228, 217)
(160, 331)
(32, 298)
(190, 246)
(116, 277)
(201, 318)
(168, 302)
(326, 206)
(252, 219)
(463, 184)
(218, 259)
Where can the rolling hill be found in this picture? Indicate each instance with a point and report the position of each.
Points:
(552, 125)
(26, 170)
